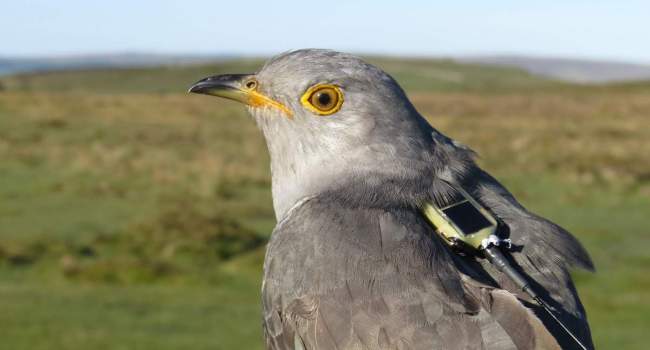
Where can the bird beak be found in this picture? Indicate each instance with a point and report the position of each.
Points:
(237, 87)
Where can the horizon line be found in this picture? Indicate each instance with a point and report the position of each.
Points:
(369, 53)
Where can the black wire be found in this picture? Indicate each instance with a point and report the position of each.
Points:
(496, 258)
(548, 310)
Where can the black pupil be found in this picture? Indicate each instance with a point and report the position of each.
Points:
(324, 99)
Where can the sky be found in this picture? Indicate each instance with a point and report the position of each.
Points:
(613, 30)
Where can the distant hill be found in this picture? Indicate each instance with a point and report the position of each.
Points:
(413, 74)
(13, 65)
(572, 70)
(129, 73)
(569, 70)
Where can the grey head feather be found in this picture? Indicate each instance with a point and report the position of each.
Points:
(375, 139)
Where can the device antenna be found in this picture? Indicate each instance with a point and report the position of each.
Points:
(494, 256)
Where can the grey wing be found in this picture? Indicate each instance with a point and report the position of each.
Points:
(375, 279)
(545, 252)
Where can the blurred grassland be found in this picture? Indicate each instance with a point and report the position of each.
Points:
(134, 216)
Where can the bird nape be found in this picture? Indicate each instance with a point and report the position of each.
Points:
(354, 262)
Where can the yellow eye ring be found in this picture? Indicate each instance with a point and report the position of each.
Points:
(323, 99)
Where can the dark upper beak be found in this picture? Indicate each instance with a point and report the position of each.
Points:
(217, 84)
(237, 87)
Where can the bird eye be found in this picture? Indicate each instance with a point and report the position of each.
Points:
(323, 99)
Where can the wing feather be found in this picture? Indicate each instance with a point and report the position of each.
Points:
(354, 278)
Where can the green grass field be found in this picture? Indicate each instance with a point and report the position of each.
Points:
(134, 216)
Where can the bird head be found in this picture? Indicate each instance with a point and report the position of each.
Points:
(331, 121)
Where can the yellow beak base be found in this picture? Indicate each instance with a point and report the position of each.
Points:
(232, 87)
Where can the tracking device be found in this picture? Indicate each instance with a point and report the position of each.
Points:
(468, 228)
(465, 225)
